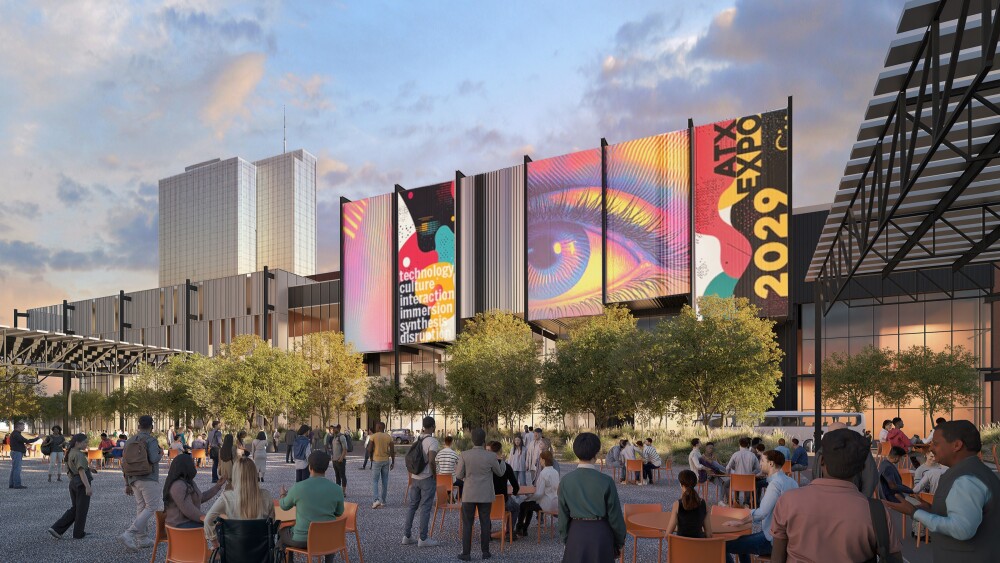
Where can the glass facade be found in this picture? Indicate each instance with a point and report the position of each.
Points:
(286, 212)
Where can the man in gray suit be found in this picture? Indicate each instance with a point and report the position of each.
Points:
(477, 467)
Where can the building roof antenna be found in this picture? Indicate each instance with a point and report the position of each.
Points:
(284, 131)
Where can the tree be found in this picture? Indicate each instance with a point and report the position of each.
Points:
(941, 379)
(602, 368)
(18, 393)
(726, 362)
(421, 393)
(894, 390)
(338, 379)
(492, 371)
(382, 397)
(851, 381)
(88, 406)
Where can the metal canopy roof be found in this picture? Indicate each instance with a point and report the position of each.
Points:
(921, 189)
(69, 353)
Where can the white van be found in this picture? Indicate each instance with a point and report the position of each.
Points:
(802, 424)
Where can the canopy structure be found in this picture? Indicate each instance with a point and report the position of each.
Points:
(919, 193)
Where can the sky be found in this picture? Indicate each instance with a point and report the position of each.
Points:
(101, 99)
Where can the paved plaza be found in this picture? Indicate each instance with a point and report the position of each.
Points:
(29, 513)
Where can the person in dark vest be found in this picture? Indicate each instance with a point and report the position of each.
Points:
(965, 518)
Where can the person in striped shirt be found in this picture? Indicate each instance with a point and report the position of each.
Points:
(650, 461)
(446, 460)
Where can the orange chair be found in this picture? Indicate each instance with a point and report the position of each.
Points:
(632, 466)
(171, 454)
(642, 532)
(702, 550)
(324, 538)
(442, 503)
(552, 518)
(907, 477)
(498, 511)
(351, 515)
(161, 533)
(668, 467)
(787, 468)
(200, 457)
(95, 457)
(921, 531)
(186, 545)
(740, 483)
(883, 451)
(446, 480)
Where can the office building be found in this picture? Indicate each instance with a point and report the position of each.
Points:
(286, 212)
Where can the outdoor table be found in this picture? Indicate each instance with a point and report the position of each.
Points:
(660, 521)
(286, 517)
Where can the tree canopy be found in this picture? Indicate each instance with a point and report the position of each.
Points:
(19, 398)
(852, 381)
(337, 379)
(940, 379)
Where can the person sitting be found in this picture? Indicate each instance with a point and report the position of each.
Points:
(800, 458)
(500, 483)
(926, 476)
(937, 422)
(689, 515)
(898, 438)
(315, 499)
(694, 461)
(122, 438)
(614, 458)
(891, 481)
(710, 460)
(781, 447)
(447, 461)
(591, 523)
(182, 499)
(177, 445)
(629, 452)
(650, 461)
(883, 435)
(777, 483)
(199, 443)
(545, 497)
(106, 446)
(246, 501)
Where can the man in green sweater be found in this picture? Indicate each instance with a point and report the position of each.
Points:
(316, 499)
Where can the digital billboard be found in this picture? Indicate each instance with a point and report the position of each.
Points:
(366, 272)
(564, 236)
(648, 218)
(426, 282)
(742, 210)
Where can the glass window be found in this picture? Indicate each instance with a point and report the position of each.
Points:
(835, 346)
(907, 341)
(861, 321)
(858, 343)
(835, 323)
(938, 316)
(808, 321)
(938, 341)
(890, 341)
(808, 357)
(965, 311)
(911, 318)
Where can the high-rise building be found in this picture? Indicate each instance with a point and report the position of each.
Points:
(208, 221)
(222, 218)
(286, 212)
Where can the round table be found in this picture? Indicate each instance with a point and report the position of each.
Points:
(660, 521)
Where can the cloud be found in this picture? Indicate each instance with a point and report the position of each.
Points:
(233, 84)
(306, 93)
(330, 171)
(469, 87)
(71, 192)
(221, 26)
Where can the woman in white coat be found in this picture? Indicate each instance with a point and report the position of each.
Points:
(258, 452)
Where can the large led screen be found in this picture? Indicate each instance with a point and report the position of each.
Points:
(491, 259)
(564, 236)
(649, 226)
(366, 271)
(426, 284)
(742, 205)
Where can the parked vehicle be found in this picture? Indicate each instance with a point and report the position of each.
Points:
(802, 424)
(402, 436)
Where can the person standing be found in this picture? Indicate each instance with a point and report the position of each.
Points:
(420, 466)
(337, 448)
(214, 447)
(300, 453)
(258, 453)
(316, 499)
(17, 451)
(78, 469)
(517, 460)
(141, 469)
(650, 461)
(742, 462)
(171, 435)
(477, 467)
(55, 443)
(591, 523)
(366, 437)
(964, 518)
(777, 484)
(383, 455)
(290, 436)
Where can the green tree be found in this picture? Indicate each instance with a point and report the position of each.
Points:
(726, 362)
(87, 407)
(382, 397)
(421, 393)
(851, 381)
(19, 398)
(602, 368)
(338, 379)
(493, 369)
(941, 379)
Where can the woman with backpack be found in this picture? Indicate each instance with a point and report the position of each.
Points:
(258, 452)
(78, 468)
(53, 447)
(182, 499)
(300, 453)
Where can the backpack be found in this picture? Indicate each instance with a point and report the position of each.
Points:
(46, 446)
(350, 442)
(415, 460)
(299, 449)
(135, 458)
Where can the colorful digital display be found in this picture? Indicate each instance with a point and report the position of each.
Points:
(564, 236)
(426, 283)
(649, 225)
(366, 272)
(742, 210)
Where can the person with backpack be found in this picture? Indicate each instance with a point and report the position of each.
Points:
(141, 469)
(420, 465)
(53, 446)
(214, 447)
(78, 468)
(337, 446)
(300, 453)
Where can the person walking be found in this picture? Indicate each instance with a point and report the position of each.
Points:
(246, 501)
(80, 479)
(591, 523)
(182, 499)
(300, 453)
(141, 469)
(227, 457)
(517, 460)
(383, 455)
(337, 448)
(964, 518)
(258, 453)
(476, 467)
(423, 493)
(290, 436)
(315, 499)
(55, 444)
(17, 452)
(367, 438)
(214, 447)
(778, 483)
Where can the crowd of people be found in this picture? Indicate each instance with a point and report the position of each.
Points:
(793, 521)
